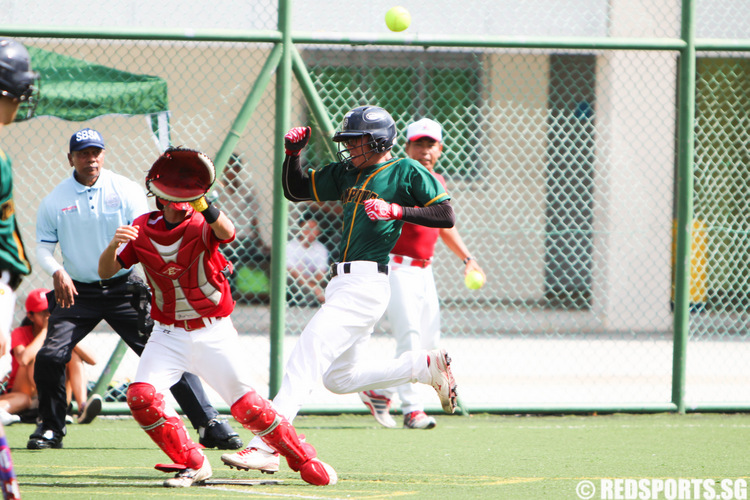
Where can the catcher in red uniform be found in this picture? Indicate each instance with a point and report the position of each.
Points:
(178, 247)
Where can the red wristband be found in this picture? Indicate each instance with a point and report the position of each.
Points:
(397, 211)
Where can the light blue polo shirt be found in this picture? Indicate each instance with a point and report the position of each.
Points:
(83, 219)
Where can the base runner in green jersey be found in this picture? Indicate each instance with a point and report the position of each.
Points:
(378, 193)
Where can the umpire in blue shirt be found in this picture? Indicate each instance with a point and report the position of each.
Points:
(81, 215)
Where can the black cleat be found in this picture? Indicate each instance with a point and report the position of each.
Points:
(44, 438)
(219, 434)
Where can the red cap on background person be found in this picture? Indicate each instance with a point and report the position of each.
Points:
(424, 128)
(37, 300)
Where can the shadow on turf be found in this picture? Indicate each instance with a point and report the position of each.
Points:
(72, 486)
(82, 448)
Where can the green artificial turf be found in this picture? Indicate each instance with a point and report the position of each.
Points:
(481, 456)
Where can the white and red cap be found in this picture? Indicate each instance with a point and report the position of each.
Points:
(424, 128)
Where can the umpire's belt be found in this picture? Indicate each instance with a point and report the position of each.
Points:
(358, 267)
(104, 283)
(410, 261)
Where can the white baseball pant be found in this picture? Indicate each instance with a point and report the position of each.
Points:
(414, 315)
(213, 353)
(333, 345)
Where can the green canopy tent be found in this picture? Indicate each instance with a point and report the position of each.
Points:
(76, 90)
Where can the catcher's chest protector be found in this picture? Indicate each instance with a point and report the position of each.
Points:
(187, 278)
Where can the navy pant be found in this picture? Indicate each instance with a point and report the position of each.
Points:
(115, 305)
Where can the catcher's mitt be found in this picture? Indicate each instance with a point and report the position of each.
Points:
(181, 175)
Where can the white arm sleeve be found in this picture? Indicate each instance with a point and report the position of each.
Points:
(46, 258)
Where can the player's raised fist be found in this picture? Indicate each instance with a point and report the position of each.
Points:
(377, 209)
(296, 139)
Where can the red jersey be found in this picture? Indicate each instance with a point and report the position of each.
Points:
(21, 336)
(418, 242)
(184, 268)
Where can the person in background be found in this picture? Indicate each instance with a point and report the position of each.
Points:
(307, 263)
(414, 310)
(26, 340)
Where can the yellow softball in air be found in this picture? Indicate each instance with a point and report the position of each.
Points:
(397, 18)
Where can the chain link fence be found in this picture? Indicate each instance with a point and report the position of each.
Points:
(560, 156)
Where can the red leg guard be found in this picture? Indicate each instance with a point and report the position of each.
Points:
(257, 415)
(169, 433)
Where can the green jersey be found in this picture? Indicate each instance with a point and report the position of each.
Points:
(12, 253)
(402, 181)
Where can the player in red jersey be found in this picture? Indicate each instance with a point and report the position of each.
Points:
(413, 310)
(178, 247)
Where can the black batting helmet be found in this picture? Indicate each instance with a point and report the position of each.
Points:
(370, 121)
(17, 80)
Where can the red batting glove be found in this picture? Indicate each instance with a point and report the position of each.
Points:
(377, 209)
(296, 139)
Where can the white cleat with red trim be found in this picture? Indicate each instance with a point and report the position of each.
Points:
(253, 458)
(379, 407)
(439, 365)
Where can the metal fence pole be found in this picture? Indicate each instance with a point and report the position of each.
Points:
(685, 148)
(280, 210)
